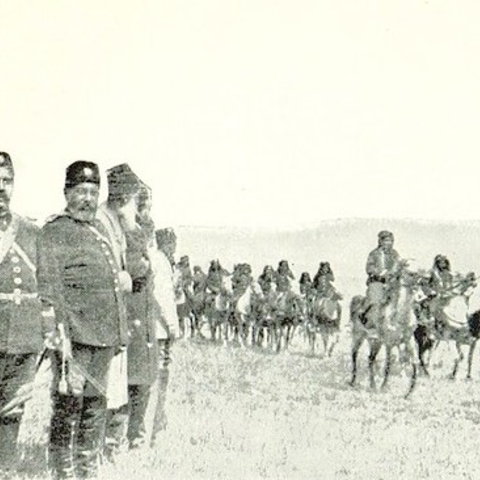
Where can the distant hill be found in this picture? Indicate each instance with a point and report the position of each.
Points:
(344, 243)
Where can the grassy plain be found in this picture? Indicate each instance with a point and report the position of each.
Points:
(242, 414)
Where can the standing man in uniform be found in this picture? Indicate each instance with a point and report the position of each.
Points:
(22, 329)
(128, 200)
(79, 277)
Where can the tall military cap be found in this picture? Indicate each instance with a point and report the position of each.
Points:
(165, 235)
(122, 181)
(6, 161)
(82, 171)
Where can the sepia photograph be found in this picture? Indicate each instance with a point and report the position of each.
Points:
(239, 239)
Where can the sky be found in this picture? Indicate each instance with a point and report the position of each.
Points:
(260, 113)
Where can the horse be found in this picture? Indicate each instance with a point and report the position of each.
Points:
(393, 327)
(242, 312)
(324, 316)
(264, 319)
(217, 310)
(185, 314)
(446, 318)
(290, 313)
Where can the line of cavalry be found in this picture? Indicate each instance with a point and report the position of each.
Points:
(418, 310)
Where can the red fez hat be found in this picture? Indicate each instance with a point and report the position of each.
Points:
(82, 172)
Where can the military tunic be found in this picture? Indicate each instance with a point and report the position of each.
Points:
(78, 276)
(22, 327)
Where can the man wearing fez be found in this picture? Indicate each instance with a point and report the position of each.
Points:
(78, 276)
(22, 326)
(128, 199)
(167, 321)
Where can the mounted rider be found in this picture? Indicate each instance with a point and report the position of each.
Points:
(323, 282)
(283, 277)
(447, 295)
(305, 284)
(183, 279)
(382, 264)
(325, 303)
(267, 280)
(215, 282)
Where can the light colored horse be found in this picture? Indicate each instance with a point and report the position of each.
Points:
(183, 300)
(393, 328)
(243, 312)
(217, 310)
(449, 320)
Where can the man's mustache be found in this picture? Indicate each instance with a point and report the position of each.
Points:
(87, 207)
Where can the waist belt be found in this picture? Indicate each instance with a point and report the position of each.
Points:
(17, 297)
(376, 279)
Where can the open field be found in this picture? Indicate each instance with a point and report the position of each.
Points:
(237, 413)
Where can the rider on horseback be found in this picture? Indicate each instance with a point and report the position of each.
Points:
(305, 284)
(382, 265)
(441, 288)
(215, 277)
(283, 276)
(266, 280)
(323, 282)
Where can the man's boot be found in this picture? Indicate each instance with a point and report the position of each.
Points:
(66, 413)
(116, 432)
(91, 436)
(160, 419)
(8, 444)
(138, 397)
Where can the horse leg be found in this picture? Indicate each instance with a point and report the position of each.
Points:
(388, 363)
(459, 358)
(325, 342)
(287, 335)
(334, 340)
(374, 349)
(181, 326)
(471, 349)
(413, 355)
(213, 329)
(312, 338)
(357, 343)
(278, 337)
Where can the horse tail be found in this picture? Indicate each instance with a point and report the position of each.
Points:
(355, 305)
(474, 324)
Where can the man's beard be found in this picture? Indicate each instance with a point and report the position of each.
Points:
(85, 212)
(4, 204)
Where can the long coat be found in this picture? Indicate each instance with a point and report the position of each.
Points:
(142, 308)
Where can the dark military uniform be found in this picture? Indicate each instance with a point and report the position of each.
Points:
(78, 276)
(21, 327)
